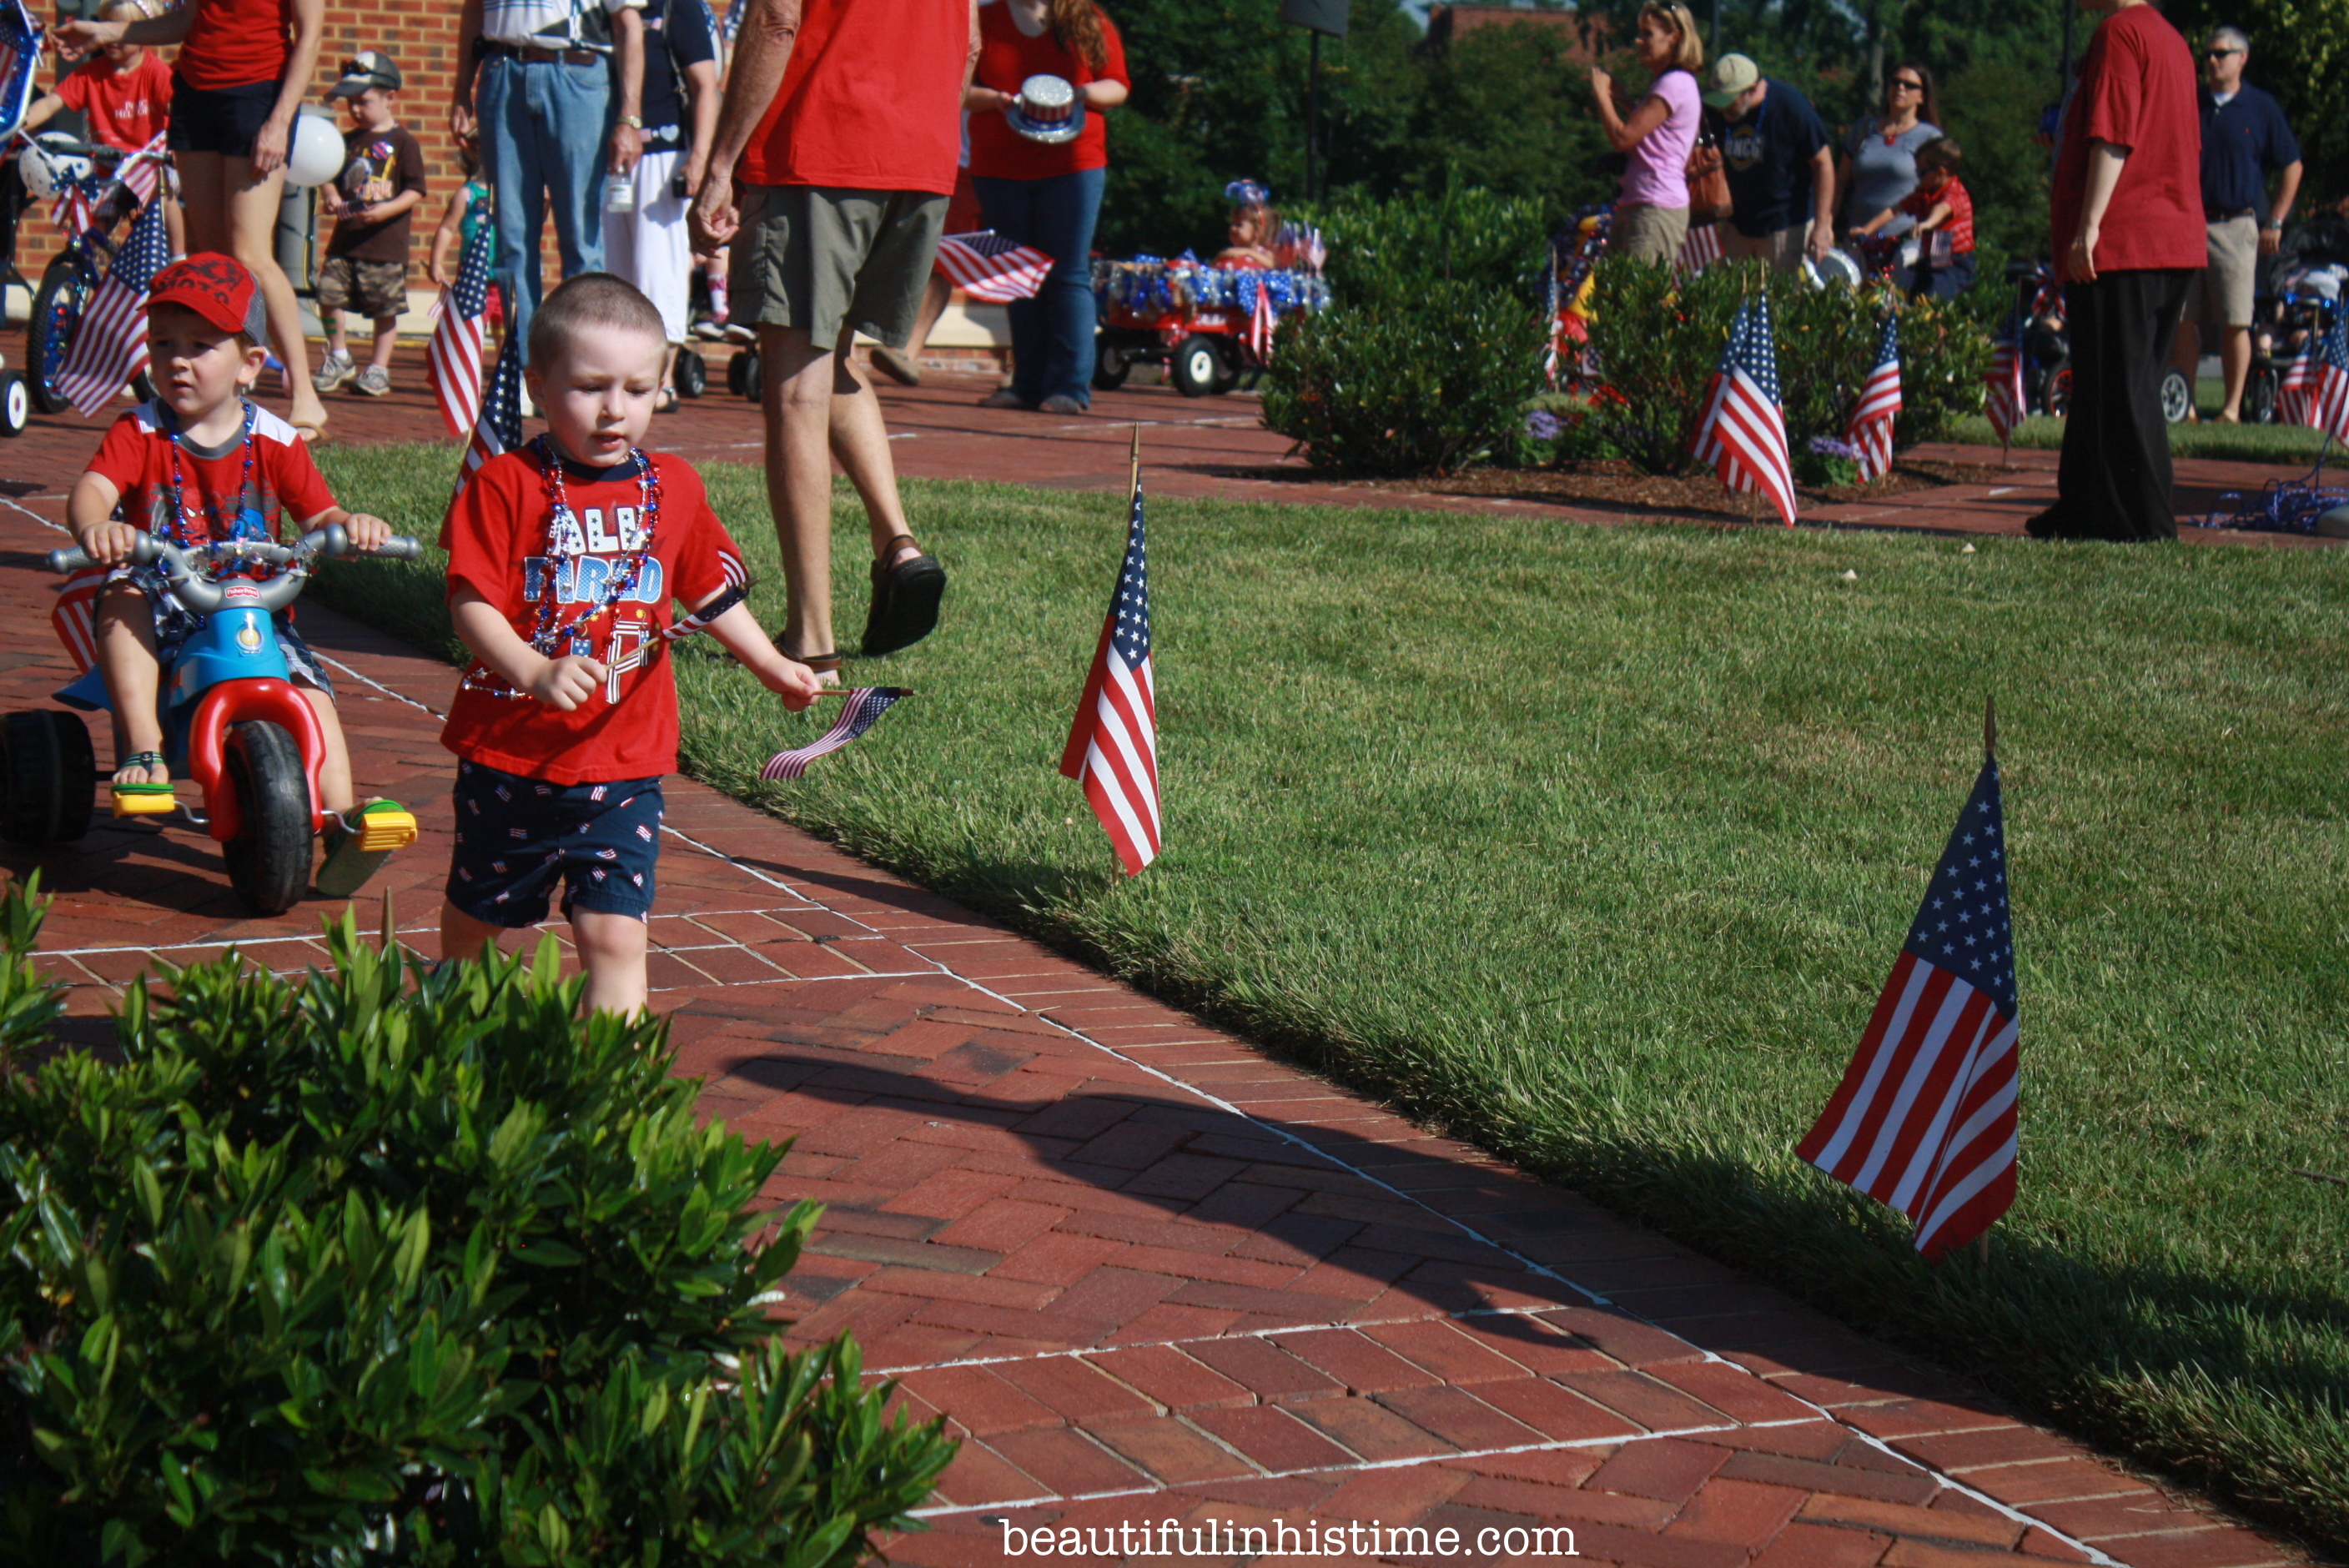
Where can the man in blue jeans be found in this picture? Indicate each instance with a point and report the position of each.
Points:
(538, 79)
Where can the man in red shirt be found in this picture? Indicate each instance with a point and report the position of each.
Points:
(835, 153)
(2128, 238)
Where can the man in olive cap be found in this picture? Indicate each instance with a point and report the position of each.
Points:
(1780, 165)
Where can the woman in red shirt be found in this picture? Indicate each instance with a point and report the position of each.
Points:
(1045, 192)
(239, 79)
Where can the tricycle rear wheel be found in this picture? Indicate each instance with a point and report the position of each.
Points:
(48, 778)
(269, 859)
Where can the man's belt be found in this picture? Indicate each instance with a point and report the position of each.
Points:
(532, 54)
(2210, 217)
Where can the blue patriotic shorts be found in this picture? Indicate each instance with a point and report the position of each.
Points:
(517, 838)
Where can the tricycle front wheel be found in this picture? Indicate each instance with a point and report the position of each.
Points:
(269, 859)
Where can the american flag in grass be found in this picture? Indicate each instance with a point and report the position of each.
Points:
(1112, 747)
(2328, 407)
(1870, 433)
(2296, 392)
(452, 360)
(985, 265)
(1925, 1118)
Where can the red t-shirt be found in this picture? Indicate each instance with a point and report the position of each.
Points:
(2136, 90)
(234, 43)
(125, 108)
(872, 99)
(1007, 57)
(135, 456)
(497, 544)
(1960, 226)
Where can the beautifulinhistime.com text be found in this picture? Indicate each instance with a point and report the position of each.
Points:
(1313, 1538)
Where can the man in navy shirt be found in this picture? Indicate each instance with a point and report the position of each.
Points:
(2244, 137)
(1780, 166)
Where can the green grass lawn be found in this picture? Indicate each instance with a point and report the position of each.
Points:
(2295, 444)
(1594, 846)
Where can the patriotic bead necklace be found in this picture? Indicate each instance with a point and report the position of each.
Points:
(566, 545)
(179, 525)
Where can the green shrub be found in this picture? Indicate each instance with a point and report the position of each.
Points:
(1426, 361)
(1659, 338)
(398, 1265)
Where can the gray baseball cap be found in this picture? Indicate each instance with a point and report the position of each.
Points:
(368, 69)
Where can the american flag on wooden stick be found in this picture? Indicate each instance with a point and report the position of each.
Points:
(141, 173)
(1112, 747)
(1743, 432)
(1925, 1117)
(2004, 405)
(1872, 417)
(2328, 407)
(985, 265)
(859, 711)
(109, 346)
(499, 429)
(452, 360)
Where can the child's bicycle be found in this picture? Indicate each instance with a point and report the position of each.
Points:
(231, 721)
(50, 164)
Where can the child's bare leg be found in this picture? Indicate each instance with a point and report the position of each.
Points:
(337, 344)
(387, 336)
(126, 655)
(461, 936)
(612, 953)
(335, 790)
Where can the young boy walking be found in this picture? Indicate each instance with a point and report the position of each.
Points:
(366, 268)
(563, 559)
(202, 463)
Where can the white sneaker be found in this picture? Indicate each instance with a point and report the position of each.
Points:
(333, 370)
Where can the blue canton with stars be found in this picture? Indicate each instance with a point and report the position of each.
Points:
(1964, 925)
(1132, 637)
(1751, 348)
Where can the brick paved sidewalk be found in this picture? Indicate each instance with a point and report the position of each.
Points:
(1148, 1272)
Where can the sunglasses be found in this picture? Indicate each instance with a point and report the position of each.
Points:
(1903, 82)
(2219, 53)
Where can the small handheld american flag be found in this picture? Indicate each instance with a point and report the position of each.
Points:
(1743, 432)
(452, 360)
(1112, 747)
(1925, 1118)
(109, 346)
(1880, 404)
(859, 711)
(499, 429)
(985, 265)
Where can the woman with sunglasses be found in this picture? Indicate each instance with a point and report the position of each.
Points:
(1878, 167)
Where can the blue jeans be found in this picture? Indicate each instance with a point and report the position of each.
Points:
(544, 130)
(1052, 333)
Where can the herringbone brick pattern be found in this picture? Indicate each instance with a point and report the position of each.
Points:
(1155, 1279)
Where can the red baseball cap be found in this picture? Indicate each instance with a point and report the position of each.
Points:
(217, 288)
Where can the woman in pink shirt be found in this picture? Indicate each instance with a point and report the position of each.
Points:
(1651, 211)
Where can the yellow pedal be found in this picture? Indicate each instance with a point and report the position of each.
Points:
(382, 831)
(144, 800)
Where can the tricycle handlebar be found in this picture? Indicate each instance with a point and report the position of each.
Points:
(202, 596)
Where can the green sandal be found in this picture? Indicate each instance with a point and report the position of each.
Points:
(143, 799)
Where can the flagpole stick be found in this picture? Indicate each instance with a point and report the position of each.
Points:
(1990, 729)
(1134, 480)
(843, 691)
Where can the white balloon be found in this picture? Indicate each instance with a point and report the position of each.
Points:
(316, 156)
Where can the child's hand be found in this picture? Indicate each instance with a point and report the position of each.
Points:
(793, 681)
(367, 531)
(109, 543)
(441, 278)
(564, 684)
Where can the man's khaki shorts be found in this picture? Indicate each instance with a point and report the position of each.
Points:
(819, 259)
(1783, 250)
(2221, 291)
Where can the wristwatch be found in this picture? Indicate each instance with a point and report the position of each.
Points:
(633, 121)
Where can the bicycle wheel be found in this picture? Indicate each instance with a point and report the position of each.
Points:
(66, 287)
(269, 859)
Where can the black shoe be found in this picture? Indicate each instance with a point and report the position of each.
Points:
(2042, 526)
(904, 600)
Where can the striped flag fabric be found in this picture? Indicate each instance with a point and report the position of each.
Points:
(1744, 431)
(1872, 417)
(141, 173)
(859, 711)
(2004, 405)
(499, 427)
(74, 615)
(985, 265)
(1700, 250)
(1261, 323)
(1925, 1118)
(109, 346)
(452, 359)
(1113, 746)
(2328, 407)
(2296, 391)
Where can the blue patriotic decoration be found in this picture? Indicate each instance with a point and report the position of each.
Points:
(1925, 1119)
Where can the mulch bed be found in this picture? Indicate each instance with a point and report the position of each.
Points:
(1614, 486)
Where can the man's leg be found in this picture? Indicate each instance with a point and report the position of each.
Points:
(797, 381)
(517, 185)
(576, 106)
(2235, 361)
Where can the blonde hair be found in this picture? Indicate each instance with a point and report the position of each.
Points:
(1690, 55)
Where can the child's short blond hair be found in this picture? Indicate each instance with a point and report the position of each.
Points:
(592, 301)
